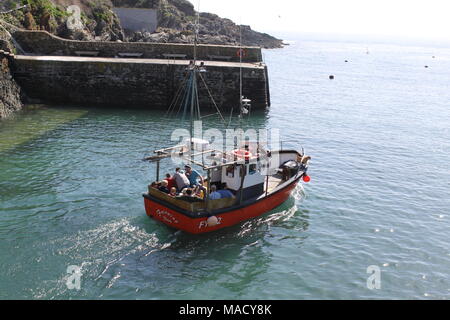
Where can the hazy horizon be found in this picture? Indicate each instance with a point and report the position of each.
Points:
(413, 19)
(359, 38)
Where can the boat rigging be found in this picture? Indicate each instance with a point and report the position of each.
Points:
(242, 183)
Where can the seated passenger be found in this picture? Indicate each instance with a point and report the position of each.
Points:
(199, 192)
(181, 180)
(173, 192)
(170, 181)
(154, 185)
(163, 187)
(189, 196)
(225, 193)
(214, 195)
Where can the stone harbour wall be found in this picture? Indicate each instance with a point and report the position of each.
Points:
(44, 43)
(141, 83)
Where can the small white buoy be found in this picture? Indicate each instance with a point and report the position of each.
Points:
(212, 221)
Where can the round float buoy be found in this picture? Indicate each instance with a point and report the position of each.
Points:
(212, 221)
(426, 66)
(306, 178)
(346, 60)
(331, 77)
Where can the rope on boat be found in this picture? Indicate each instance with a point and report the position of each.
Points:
(212, 99)
(175, 100)
(187, 97)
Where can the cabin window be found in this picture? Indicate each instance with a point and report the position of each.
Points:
(252, 169)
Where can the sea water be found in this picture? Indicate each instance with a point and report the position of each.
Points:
(72, 178)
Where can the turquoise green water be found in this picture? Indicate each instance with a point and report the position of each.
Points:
(71, 181)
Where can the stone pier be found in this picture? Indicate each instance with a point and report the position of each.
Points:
(53, 73)
(146, 83)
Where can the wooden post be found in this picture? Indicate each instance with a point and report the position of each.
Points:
(157, 170)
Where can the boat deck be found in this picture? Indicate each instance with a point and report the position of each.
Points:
(274, 182)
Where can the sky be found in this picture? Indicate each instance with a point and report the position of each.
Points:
(425, 19)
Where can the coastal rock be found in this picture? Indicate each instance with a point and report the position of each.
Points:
(97, 19)
(176, 23)
(177, 19)
(10, 100)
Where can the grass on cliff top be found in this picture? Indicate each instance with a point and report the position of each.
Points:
(41, 7)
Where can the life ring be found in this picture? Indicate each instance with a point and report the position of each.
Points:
(241, 52)
(242, 154)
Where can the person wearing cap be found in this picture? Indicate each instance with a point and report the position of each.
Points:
(193, 175)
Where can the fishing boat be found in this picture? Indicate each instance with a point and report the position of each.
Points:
(256, 177)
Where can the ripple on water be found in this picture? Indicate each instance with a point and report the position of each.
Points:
(70, 192)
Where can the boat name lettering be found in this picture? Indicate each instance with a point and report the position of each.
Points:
(167, 216)
(204, 223)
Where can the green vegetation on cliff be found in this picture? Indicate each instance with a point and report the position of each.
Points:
(176, 22)
(99, 21)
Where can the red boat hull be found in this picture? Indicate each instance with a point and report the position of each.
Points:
(180, 221)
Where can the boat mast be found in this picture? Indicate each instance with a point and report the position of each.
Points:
(240, 69)
(194, 84)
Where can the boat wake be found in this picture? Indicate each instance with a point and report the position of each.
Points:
(268, 220)
(100, 253)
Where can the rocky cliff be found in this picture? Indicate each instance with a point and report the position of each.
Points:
(98, 20)
(10, 100)
(176, 22)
